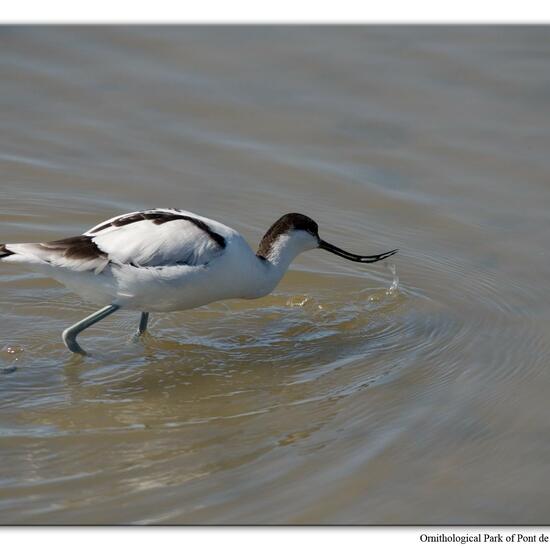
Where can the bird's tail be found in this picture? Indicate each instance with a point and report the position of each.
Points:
(55, 254)
(23, 253)
(5, 252)
(17, 253)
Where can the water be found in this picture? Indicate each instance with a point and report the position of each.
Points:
(347, 396)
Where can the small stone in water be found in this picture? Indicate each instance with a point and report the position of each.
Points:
(8, 370)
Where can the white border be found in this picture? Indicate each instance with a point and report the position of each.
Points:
(253, 538)
(290, 12)
(282, 11)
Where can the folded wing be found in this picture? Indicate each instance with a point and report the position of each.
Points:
(150, 238)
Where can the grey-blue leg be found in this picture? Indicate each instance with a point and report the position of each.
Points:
(70, 334)
(143, 323)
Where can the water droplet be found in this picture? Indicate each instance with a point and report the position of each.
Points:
(297, 301)
(394, 287)
(12, 350)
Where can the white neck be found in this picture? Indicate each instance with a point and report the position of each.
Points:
(274, 266)
(282, 253)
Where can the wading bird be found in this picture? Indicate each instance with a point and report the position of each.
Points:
(168, 260)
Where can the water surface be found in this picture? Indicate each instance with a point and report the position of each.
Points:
(340, 398)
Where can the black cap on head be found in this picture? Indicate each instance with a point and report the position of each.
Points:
(285, 224)
(297, 221)
(294, 222)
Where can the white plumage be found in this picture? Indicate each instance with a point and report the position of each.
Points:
(148, 244)
(147, 266)
(166, 259)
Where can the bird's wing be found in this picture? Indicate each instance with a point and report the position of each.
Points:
(150, 238)
(158, 237)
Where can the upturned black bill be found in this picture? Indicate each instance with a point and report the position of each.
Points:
(354, 257)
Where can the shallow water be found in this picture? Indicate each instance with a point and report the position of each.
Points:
(340, 398)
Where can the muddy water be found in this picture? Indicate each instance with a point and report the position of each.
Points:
(342, 397)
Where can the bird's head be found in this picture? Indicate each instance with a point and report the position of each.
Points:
(301, 233)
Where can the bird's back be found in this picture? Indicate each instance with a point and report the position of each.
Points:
(135, 253)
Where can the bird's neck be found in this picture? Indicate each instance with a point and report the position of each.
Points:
(276, 261)
(281, 253)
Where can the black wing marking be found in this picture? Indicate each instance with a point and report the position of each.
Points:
(4, 252)
(76, 248)
(160, 217)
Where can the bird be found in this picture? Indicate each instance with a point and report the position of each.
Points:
(166, 259)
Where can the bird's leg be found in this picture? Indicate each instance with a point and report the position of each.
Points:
(143, 323)
(70, 334)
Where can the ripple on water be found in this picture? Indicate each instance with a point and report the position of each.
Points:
(244, 364)
(298, 338)
(284, 335)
